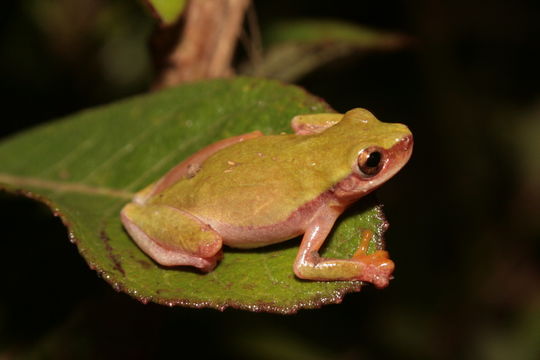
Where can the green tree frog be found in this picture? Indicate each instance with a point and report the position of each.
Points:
(252, 190)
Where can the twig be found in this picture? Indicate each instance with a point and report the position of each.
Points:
(205, 46)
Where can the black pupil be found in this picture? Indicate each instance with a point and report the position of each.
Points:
(373, 160)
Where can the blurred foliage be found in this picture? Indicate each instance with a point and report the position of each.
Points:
(297, 47)
(467, 278)
(64, 55)
(167, 11)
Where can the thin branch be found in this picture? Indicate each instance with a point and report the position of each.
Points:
(206, 44)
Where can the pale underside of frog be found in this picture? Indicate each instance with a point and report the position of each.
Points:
(254, 190)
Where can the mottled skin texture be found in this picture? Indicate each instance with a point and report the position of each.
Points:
(254, 190)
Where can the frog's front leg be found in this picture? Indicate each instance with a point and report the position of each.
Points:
(375, 268)
(172, 237)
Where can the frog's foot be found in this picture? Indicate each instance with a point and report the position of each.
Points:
(378, 266)
(375, 268)
(172, 237)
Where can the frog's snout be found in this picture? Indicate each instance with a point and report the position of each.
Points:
(406, 143)
(402, 150)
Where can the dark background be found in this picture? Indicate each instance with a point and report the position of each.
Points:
(464, 213)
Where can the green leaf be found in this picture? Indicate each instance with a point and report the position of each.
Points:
(88, 165)
(309, 31)
(167, 11)
(297, 47)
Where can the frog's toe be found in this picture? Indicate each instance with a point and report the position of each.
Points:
(379, 274)
(377, 268)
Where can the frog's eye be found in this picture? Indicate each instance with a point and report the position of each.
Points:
(370, 161)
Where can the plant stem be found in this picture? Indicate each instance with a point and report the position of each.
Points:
(204, 43)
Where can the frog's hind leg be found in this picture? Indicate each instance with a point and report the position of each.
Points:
(172, 237)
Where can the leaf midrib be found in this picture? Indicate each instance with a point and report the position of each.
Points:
(64, 186)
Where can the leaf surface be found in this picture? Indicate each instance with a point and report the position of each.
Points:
(88, 165)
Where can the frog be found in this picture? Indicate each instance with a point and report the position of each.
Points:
(254, 190)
